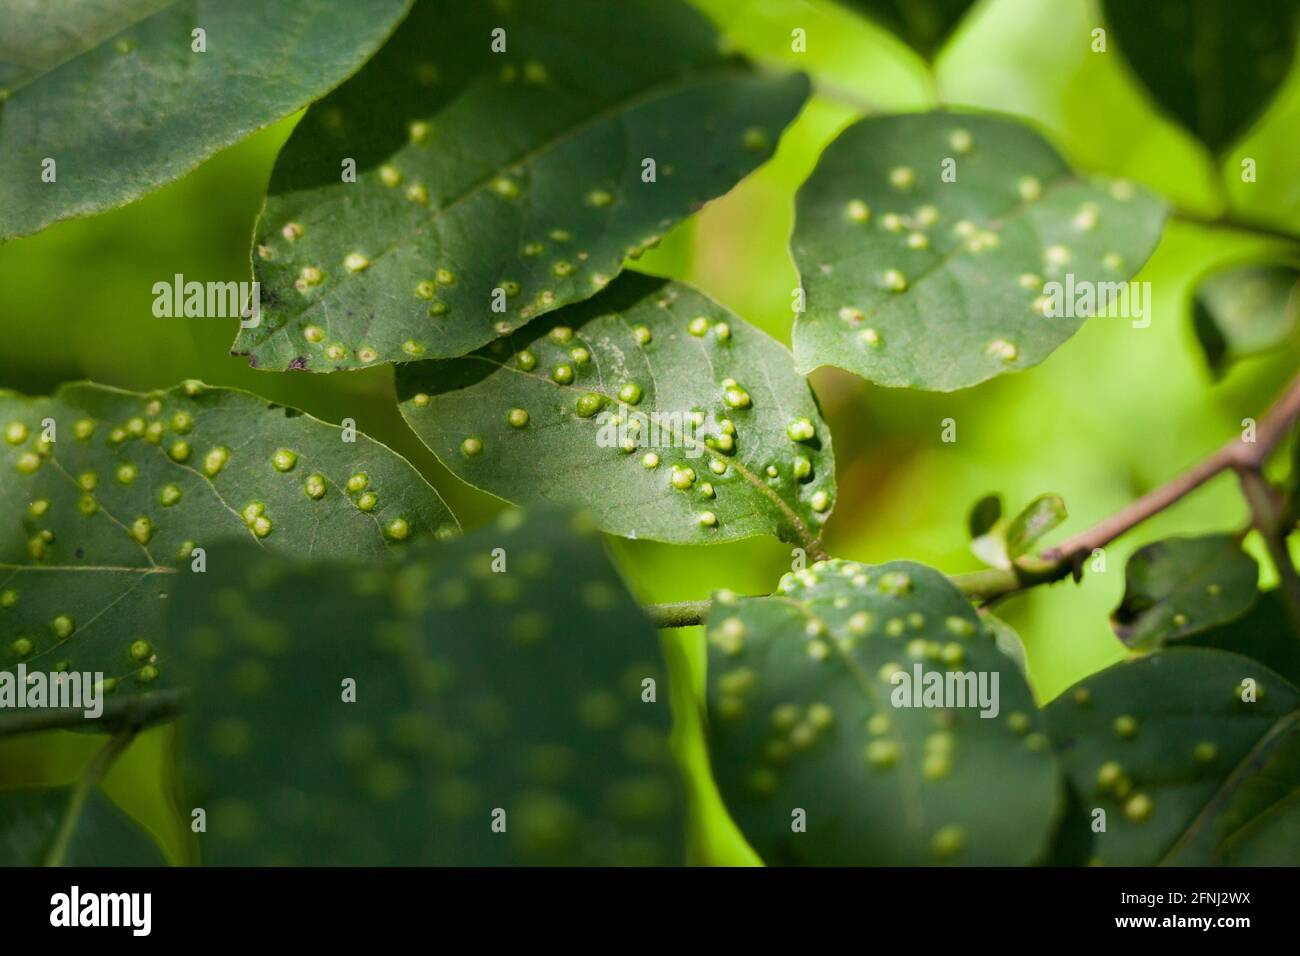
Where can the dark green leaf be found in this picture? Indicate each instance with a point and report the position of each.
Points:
(522, 690)
(682, 368)
(1263, 634)
(1245, 311)
(478, 171)
(1213, 65)
(113, 92)
(1180, 586)
(984, 515)
(1039, 517)
(923, 24)
(803, 717)
(1186, 770)
(914, 281)
(98, 520)
(104, 835)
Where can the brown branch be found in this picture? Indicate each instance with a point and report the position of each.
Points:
(1246, 458)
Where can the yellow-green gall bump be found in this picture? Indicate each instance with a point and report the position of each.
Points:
(708, 519)
(27, 463)
(894, 281)
(284, 460)
(630, 394)
(147, 674)
(169, 495)
(214, 461)
(698, 326)
(801, 429)
(517, 418)
(142, 530)
(180, 451)
(360, 481)
(63, 626)
(643, 335)
(902, 177)
(562, 374)
(16, 433)
(1138, 807)
(22, 647)
(126, 473)
(398, 529)
(471, 447)
(882, 754)
(315, 487)
(947, 841)
(857, 210)
(83, 429)
(8, 598)
(682, 477)
(140, 650)
(1205, 752)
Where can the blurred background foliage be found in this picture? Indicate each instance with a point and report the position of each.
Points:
(1114, 412)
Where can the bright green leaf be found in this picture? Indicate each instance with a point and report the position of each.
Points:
(1213, 65)
(496, 187)
(1038, 518)
(1180, 586)
(115, 94)
(1245, 311)
(535, 423)
(506, 676)
(104, 835)
(100, 517)
(915, 281)
(1186, 770)
(805, 715)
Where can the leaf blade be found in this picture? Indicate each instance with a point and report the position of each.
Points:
(113, 97)
(945, 284)
(544, 203)
(568, 443)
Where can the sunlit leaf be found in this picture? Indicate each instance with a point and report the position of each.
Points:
(720, 438)
(920, 281)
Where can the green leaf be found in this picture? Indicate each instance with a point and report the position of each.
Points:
(925, 25)
(1180, 586)
(1213, 65)
(99, 518)
(1186, 770)
(1245, 311)
(1038, 518)
(505, 671)
(664, 356)
(804, 716)
(1263, 634)
(1006, 640)
(914, 281)
(104, 835)
(113, 92)
(984, 516)
(479, 171)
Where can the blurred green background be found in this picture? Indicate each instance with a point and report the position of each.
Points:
(1111, 414)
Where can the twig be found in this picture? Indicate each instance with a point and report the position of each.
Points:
(1244, 457)
(81, 791)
